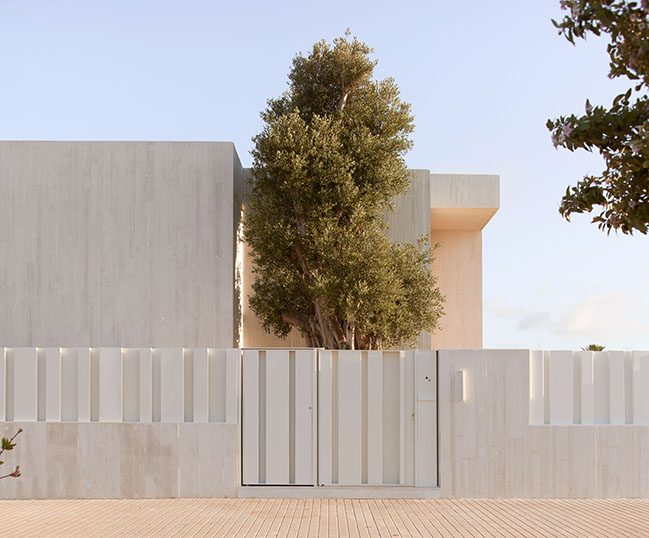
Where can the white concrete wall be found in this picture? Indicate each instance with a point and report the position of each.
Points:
(117, 244)
(374, 424)
(116, 460)
(133, 244)
(488, 448)
(121, 423)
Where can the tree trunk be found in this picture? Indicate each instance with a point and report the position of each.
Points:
(321, 330)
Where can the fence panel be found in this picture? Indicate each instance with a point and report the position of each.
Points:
(641, 387)
(250, 418)
(426, 423)
(119, 384)
(305, 419)
(348, 410)
(377, 418)
(586, 387)
(22, 377)
(279, 417)
(374, 418)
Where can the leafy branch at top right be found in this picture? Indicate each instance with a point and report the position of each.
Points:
(619, 196)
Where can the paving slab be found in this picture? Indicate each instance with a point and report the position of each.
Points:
(361, 518)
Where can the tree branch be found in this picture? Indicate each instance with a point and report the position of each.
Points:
(15, 474)
(4, 447)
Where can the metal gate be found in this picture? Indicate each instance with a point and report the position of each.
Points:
(279, 417)
(374, 421)
(378, 418)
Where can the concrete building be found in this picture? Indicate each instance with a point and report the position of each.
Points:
(122, 287)
(134, 244)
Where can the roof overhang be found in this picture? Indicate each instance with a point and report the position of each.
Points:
(460, 218)
(463, 201)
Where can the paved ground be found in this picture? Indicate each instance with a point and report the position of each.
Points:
(330, 518)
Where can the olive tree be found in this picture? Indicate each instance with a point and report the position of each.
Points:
(326, 167)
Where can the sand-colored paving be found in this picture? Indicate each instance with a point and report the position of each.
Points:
(323, 517)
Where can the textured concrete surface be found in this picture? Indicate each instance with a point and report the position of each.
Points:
(132, 244)
(93, 460)
(463, 201)
(487, 448)
(117, 244)
(323, 518)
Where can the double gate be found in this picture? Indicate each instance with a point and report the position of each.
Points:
(347, 418)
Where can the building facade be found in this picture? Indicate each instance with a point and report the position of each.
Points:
(134, 244)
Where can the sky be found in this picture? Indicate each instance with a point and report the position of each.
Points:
(482, 79)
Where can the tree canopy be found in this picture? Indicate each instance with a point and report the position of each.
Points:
(326, 167)
(620, 132)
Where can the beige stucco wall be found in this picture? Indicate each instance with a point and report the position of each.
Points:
(488, 449)
(458, 266)
(461, 205)
(90, 460)
(117, 244)
(254, 334)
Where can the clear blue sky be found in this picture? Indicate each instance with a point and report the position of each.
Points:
(483, 79)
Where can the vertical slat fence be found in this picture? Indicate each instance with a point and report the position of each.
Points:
(377, 418)
(279, 417)
(589, 387)
(119, 385)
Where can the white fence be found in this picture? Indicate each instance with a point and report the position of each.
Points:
(378, 418)
(119, 384)
(585, 387)
(364, 417)
(279, 417)
(330, 418)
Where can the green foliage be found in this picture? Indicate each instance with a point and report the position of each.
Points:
(593, 347)
(620, 132)
(326, 167)
(7, 445)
